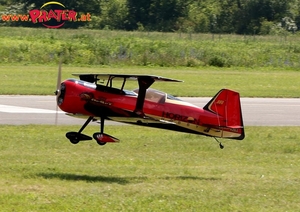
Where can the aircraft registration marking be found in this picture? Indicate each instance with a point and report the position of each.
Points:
(220, 102)
(179, 118)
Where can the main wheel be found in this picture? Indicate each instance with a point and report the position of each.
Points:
(97, 137)
(73, 137)
(101, 143)
(74, 141)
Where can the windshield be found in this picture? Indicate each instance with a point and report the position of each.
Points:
(154, 95)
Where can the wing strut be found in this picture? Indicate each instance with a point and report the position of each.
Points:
(144, 84)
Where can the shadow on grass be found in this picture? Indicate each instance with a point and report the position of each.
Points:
(91, 179)
(191, 178)
(118, 180)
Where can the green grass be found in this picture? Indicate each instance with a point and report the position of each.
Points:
(263, 82)
(104, 47)
(42, 171)
(155, 170)
(260, 66)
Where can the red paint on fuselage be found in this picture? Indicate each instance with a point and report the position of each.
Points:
(74, 103)
(94, 100)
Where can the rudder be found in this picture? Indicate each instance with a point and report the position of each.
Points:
(226, 103)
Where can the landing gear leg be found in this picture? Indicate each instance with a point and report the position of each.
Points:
(86, 123)
(75, 137)
(102, 125)
(103, 138)
(98, 136)
(220, 144)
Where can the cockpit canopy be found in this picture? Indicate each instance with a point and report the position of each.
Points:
(157, 96)
(154, 95)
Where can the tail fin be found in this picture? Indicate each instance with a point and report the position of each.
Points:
(226, 103)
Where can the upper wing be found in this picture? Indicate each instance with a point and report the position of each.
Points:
(95, 77)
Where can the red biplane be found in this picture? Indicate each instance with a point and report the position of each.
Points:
(93, 96)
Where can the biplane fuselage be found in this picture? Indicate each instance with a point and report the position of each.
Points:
(221, 117)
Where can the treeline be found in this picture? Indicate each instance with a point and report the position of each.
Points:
(192, 16)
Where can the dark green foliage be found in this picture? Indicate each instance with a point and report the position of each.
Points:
(218, 61)
(221, 16)
(91, 7)
(155, 14)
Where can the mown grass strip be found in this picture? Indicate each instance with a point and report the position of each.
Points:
(41, 80)
(153, 170)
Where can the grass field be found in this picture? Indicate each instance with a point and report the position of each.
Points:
(256, 66)
(152, 171)
(105, 47)
(155, 170)
(41, 79)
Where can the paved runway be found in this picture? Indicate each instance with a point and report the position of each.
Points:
(19, 110)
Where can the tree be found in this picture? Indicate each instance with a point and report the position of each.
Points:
(138, 13)
(113, 14)
(160, 15)
(254, 12)
(226, 19)
(92, 6)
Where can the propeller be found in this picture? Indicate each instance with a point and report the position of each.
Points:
(58, 86)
